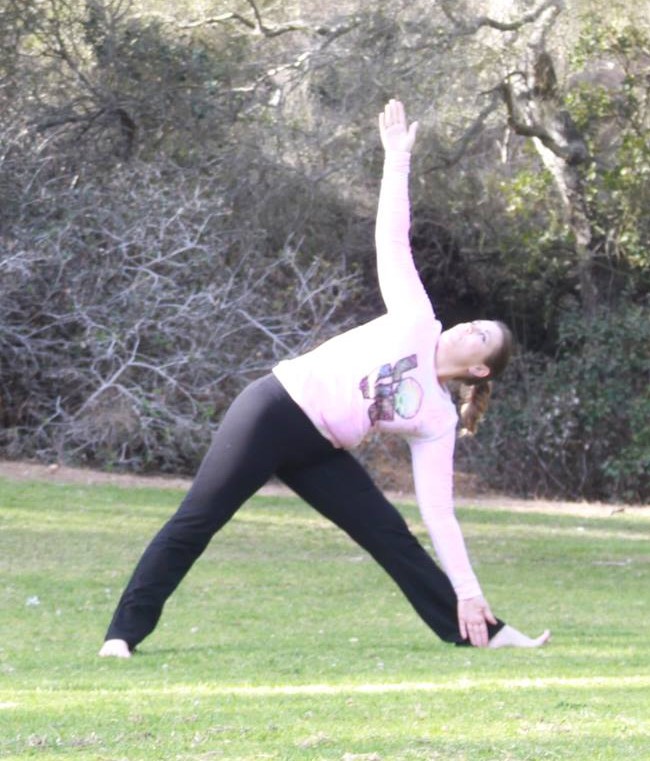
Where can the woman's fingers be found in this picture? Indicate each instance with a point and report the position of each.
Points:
(394, 113)
(478, 635)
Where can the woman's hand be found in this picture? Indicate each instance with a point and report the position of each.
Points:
(473, 617)
(396, 135)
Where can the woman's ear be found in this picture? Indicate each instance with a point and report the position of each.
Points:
(479, 371)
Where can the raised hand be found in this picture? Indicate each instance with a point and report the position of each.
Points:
(395, 132)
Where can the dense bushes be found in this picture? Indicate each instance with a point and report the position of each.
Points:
(123, 333)
(575, 426)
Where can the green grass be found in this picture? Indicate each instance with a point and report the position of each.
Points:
(286, 642)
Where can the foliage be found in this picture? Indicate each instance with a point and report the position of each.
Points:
(519, 218)
(286, 642)
(172, 172)
(576, 426)
(148, 270)
(612, 104)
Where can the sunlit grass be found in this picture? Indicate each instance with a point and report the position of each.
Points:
(286, 642)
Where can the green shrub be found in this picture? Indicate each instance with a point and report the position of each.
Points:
(576, 426)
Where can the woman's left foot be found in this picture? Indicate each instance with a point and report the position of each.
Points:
(115, 648)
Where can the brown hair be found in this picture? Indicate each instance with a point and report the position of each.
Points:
(475, 392)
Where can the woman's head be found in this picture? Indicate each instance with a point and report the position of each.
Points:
(473, 352)
(499, 350)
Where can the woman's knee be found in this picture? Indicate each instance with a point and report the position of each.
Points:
(190, 529)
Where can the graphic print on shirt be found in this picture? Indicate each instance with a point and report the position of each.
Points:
(391, 392)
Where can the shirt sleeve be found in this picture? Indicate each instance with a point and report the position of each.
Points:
(433, 476)
(399, 281)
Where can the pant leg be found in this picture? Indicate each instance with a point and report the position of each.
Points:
(341, 490)
(262, 428)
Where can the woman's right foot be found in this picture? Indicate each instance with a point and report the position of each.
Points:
(115, 648)
(510, 637)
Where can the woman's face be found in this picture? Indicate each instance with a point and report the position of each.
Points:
(472, 343)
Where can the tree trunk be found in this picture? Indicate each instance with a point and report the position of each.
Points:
(570, 187)
(537, 112)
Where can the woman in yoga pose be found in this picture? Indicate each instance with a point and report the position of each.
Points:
(298, 422)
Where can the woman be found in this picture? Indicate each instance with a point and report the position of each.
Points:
(298, 423)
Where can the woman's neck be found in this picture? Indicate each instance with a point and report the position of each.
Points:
(446, 369)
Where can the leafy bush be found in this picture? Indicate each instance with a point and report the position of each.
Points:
(575, 427)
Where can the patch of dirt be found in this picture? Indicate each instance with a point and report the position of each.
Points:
(466, 492)
(23, 470)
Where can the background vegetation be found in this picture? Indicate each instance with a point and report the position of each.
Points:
(187, 193)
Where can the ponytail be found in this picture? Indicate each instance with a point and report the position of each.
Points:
(474, 401)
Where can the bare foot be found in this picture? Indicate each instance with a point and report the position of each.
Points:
(509, 637)
(115, 648)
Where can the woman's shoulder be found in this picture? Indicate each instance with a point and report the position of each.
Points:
(418, 320)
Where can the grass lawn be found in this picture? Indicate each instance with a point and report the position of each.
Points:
(286, 642)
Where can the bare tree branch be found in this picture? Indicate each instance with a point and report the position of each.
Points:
(465, 26)
(472, 132)
(257, 25)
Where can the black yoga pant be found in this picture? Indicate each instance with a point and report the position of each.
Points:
(265, 434)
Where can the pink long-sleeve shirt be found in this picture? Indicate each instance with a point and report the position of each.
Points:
(382, 376)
